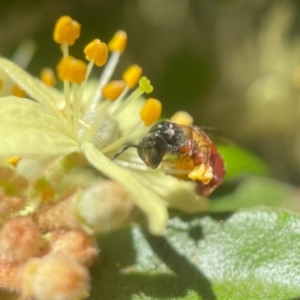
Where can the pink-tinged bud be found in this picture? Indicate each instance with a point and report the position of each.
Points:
(19, 240)
(54, 277)
(58, 216)
(9, 205)
(10, 279)
(75, 244)
(13, 180)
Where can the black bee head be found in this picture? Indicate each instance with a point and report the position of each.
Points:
(151, 150)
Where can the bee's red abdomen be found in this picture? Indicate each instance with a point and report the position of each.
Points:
(218, 166)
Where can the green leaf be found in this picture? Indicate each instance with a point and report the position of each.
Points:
(27, 129)
(254, 191)
(254, 254)
(240, 161)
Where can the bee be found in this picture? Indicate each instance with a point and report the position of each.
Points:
(185, 148)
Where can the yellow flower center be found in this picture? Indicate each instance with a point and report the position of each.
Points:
(95, 120)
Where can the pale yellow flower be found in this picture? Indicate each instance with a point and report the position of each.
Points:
(49, 124)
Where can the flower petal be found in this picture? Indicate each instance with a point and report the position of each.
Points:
(175, 192)
(27, 129)
(129, 117)
(145, 199)
(33, 87)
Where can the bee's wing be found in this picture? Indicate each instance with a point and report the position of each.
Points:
(216, 135)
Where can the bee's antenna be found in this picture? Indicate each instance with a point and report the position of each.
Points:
(122, 150)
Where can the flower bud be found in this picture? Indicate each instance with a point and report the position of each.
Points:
(19, 240)
(54, 277)
(75, 244)
(104, 207)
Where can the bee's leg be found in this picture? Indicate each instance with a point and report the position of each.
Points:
(202, 170)
(218, 170)
(203, 173)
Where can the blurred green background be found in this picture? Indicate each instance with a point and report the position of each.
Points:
(233, 64)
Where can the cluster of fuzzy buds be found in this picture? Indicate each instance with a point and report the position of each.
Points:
(30, 254)
(57, 236)
(28, 259)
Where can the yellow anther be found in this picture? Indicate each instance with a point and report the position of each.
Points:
(182, 118)
(151, 111)
(1, 84)
(14, 160)
(113, 89)
(16, 91)
(71, 69)
(118, 42)
(203, 173)
(145, 85)
(132, 75)
(48, 77)
(96, 51)
(66, 31)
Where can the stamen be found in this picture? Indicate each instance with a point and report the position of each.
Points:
(76, 108)
(14, 160)
(122, 139)
(113, 89)
(144, 87)
(48, 77)
(66, 31)
(118, 101)
(117, 46)
(71, 69)
(132, 75)
(182, 118)
(96, 51)
(83, 84)
(151, 111)
(24, 53)
(16, 91)
(118, 42)
(67, 100)
(1, 84)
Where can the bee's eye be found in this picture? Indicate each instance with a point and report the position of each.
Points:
(152, 150)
